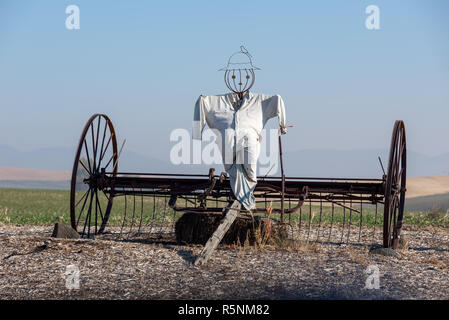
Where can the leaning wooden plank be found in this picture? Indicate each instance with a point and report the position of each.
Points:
(230, 215)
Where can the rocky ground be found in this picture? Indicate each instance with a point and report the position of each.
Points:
(34, 266)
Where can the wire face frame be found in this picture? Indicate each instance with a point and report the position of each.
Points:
(239, 75)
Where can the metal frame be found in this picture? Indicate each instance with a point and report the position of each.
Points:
(95, 175)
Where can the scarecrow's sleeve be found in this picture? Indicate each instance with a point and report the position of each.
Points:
(199, 119)
(273, 106)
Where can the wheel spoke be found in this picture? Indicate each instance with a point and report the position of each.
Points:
(99, 206)
(84, 167)
(96, 211)
(395, 167)
(82, 208)
(88, 157)
(393, 207)
(93, 146)
(106, 148)
(102, 144)
(401, 152)
(88, 217)
(107, 197)
(398, 157)
(76, 205)
(393, 223)
(400, 176)
(96, 141)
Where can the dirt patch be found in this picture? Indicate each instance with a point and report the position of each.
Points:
(142, 268)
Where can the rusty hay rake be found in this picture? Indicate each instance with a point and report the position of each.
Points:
(339, 210)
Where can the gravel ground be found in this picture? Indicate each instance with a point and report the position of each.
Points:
(146, 269)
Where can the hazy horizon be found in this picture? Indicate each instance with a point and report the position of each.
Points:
(307, 162)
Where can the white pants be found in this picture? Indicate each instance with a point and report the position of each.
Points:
(244, 149)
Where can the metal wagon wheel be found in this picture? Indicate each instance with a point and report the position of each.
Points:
(90, 206)
(395, 187)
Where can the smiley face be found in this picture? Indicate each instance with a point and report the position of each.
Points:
(239, 80)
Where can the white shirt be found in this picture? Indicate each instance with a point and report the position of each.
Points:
(254, 112)
(238, 125)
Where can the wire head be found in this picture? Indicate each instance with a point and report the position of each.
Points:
(239, 72)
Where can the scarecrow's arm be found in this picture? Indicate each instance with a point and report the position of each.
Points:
(199, 118)
(273, 106)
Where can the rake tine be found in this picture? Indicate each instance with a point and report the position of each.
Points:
(134, 213)
(375, 222)
(141, 210)
(289, 209)
(310, 219)
(174, 216)
(361, 217)
(124, 217)
(332, 222)
(344, 220)
(154, 212)
(350, 216)
(319, 223)
(164, 217)
(154, 206)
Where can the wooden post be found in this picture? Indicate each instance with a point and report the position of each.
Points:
(230, 215)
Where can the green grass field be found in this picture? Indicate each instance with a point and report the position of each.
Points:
(36, 207)
(45, 207)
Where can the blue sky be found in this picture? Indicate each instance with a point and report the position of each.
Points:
(144, 63)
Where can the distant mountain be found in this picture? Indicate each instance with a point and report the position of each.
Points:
(310, 162)
(46, 158)
(62, 159)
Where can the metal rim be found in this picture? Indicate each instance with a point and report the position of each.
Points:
(395, 187)
(90, 206)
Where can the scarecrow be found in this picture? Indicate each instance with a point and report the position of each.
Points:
(237, 119)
